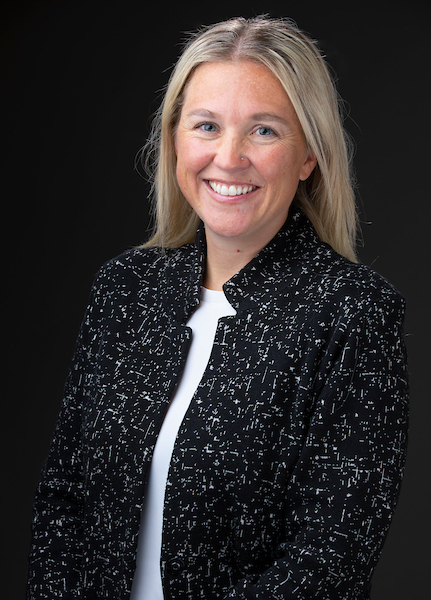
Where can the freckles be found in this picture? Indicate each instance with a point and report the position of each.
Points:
(192, 155)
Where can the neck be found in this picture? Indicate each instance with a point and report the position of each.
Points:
(224, 260)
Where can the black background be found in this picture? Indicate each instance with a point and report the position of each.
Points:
(80, 82)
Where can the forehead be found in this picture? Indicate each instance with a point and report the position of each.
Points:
(237, 83)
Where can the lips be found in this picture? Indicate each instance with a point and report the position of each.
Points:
(231, 190)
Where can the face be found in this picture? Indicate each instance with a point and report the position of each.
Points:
(240, 152)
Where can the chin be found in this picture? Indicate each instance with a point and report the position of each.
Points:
(228, 230)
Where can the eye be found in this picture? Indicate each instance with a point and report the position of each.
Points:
(265, 131)
(207, 127)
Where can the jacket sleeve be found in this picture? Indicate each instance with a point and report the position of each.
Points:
(57, 531)
(345, 485)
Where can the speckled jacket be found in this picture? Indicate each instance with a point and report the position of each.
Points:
(287, 466)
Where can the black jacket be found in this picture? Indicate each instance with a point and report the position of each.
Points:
(287, 466)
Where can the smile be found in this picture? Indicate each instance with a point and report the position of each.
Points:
(231, 190)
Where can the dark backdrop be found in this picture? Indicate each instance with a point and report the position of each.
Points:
(80, 82)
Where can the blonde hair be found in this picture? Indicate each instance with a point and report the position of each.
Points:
(327, 196)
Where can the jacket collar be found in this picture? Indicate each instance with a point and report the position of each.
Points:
(293, 250)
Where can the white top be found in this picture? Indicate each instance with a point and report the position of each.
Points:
(147, 583)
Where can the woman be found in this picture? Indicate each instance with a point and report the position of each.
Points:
(237, 401)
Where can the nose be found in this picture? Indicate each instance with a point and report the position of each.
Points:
(230, 154)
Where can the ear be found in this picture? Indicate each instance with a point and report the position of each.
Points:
(309, 163)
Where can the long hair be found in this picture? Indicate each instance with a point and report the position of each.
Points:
(327, 196)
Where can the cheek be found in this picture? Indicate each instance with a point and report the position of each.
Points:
(283, 168)
(189, 163)
(182, 178)
(275, 168)
(192, 156)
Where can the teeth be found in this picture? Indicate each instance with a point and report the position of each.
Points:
(232, 190)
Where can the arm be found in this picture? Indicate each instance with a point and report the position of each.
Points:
(56, 551)
(346, 482)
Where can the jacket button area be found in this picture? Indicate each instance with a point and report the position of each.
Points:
(174, 565)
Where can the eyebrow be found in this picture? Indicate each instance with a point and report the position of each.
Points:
(203, 112)
(269, 117)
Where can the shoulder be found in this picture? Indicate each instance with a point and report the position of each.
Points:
(356, 286)
(331, 276)
(134, 278)
(139, 266)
